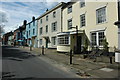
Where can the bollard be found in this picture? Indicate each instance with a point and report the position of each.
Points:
(71, 56)
(42, 50)
(110, 57)
(110, 60)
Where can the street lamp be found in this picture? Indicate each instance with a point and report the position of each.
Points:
(76, 38)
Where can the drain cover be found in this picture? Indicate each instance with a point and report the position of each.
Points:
(106, 69)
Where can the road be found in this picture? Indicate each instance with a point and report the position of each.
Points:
(17, 63)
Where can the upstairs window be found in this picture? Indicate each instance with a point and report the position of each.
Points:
(29, 32)
(82, 20)
(46, 18)
(41, 21)
(82, 3)
(69, 9)
(29, 25)
(33, 31)
(54, 26)
(101, 15)
(46, 28)
(54, 14)
(41, 29)
(69, 24)
(40, 41)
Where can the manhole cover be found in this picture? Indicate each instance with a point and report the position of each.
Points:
(106, 69)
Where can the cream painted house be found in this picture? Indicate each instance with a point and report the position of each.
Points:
(49, 24)
(94, 20)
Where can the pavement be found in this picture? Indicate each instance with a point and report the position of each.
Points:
(19, 63)
(85, 68)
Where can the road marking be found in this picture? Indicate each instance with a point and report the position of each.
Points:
(106, 69)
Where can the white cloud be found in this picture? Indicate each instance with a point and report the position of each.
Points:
(18, 12)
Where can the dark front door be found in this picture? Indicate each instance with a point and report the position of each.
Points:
(46, 43)
(79, 44)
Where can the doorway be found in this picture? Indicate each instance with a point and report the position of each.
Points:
(46, 43)
(79, 41)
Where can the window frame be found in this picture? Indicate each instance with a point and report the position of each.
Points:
(97, 42)
(47, 18)
(54, 40)
(46, 29)
(69, 9)
(41, 30)
(69, 26)
(34, 31)
(63, 40)
(54, 14)
(41, 41)
(41, 21)
(82, 3)
(100, 18)
(82, 20)
(54, 26)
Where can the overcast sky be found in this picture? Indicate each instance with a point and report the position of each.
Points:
(13, 13)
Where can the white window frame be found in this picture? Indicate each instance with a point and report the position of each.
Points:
(99, 15)
(54, 39)
(54, 26)
(54, 14)
(41, 21)
(41, 30)
(97, 38)
(46, 29)
(33, 31)
(82, 3)
(69, 9)
(62, 38)
(41, 41)
(82, 20)
(47, 18)
(68, 22)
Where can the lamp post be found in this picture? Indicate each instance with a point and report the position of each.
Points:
(76, 38)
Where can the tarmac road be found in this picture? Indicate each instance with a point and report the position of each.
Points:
(17, 63)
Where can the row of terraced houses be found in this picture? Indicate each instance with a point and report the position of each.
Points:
(69, 23)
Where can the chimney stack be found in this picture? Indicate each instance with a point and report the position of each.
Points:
(33, 18)
(24, 22)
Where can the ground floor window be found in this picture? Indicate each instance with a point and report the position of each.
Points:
(40, 41)
(53, 40)
(97, 38)
(63, 39)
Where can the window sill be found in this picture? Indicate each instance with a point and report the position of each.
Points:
(63, 44)
(69, 12)
(101, 23)
(82, 26)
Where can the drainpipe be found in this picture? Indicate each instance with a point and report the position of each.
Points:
(118, 24)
